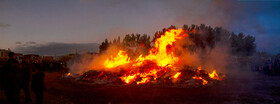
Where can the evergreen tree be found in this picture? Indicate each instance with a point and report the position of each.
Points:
(104, 46)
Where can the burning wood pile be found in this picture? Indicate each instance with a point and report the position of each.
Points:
(160, 66)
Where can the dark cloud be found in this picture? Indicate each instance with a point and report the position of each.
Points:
(26, 44)
(4, 25)
(18, 43)
(31, 42)
(56, 48)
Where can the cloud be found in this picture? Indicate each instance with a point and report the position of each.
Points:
(18, 43)
(26, 44)
(31, 42)
(54, 48)
(4, 25)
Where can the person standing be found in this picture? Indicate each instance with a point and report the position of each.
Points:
(38, 85)
(11, 79)
(26, 74)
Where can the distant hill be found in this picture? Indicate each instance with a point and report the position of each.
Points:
(57, 48)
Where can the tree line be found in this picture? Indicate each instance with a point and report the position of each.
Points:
(205, 37)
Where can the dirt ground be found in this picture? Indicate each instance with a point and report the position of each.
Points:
(259, 90)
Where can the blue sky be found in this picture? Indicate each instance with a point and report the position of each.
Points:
(91, 21)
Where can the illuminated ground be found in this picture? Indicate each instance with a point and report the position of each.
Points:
(261, 90)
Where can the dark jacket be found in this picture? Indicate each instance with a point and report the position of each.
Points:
(38, 83)
(26, 73)
(11, 74)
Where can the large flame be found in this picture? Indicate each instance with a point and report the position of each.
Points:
(162, 54)
(120, 59)
(160, 60)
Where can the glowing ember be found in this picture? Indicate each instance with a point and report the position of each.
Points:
(204, 82)
(129, 78)
(144, 80)
(177, 75)
(214, 75)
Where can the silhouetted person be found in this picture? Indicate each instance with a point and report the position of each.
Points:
(1, 78)
(38, 85)
(11, 79)
(26, 76)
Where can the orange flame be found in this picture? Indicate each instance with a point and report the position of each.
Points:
(161, 55)
(120, 59)
(215, 76)
(129, 78)
(144, 80)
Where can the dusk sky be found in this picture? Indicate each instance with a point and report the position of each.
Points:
(24, 23)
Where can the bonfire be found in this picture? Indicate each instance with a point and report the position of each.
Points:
(160, 66)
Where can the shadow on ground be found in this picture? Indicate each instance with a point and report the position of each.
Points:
(262, 90)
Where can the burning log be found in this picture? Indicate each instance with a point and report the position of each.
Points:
(184, 76)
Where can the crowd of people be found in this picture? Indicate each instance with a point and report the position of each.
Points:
(26, 75)
(266, 64)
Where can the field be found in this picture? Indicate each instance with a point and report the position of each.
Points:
(263, 89)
